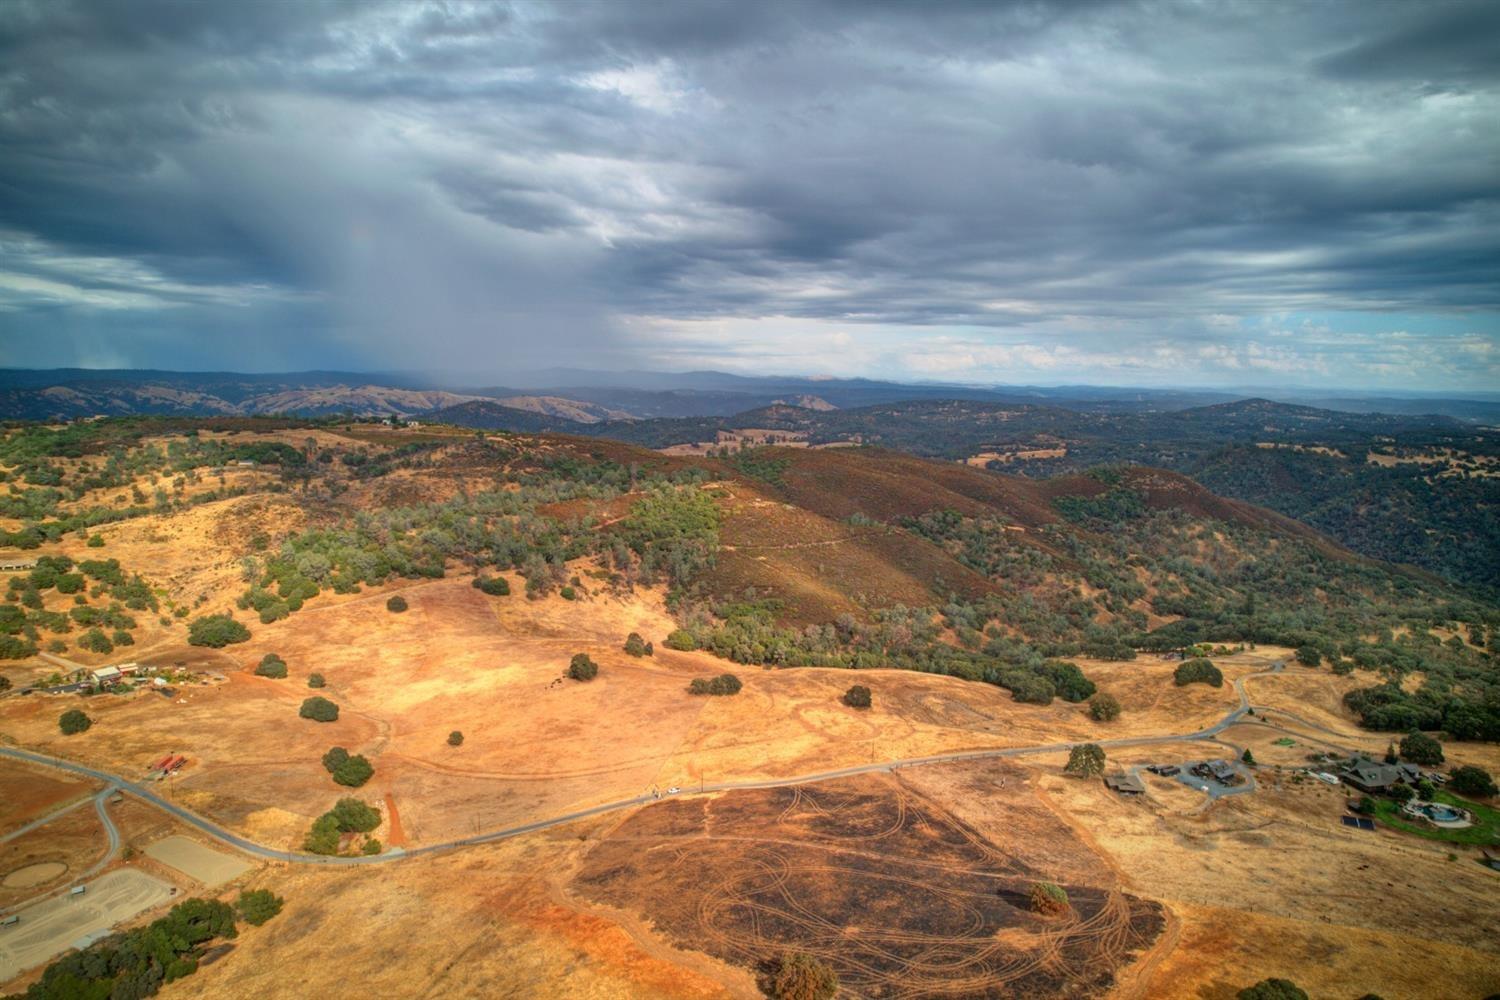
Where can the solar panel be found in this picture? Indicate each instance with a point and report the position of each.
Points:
(1359, 822)
(1349, 820)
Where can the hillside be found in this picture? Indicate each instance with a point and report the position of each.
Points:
(1423, 490)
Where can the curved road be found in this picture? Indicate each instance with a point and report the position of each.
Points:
(145, 794)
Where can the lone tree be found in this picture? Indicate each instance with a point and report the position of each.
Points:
(724, 684)
(1419, 748)
(857, 696)
(216, 631)
(1273, 989)
(1197, 671)
(1048, 898)
(319, 709)
(799, 976)
(256, 906)
(1104, 707)
(1248, 757)
(582, 668)
(1086, 760)
(396, 604)
(1472, 780)
(272, 666)
(636, 646)
(316, 681)
(455, 739)
(74, 721)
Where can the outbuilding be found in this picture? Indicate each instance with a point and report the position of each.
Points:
(1127, 783)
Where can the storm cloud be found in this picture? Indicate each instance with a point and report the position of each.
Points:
(1232, 193)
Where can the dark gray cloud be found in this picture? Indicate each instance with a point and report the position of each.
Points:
(1072, 190)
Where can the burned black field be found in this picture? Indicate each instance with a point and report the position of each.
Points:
(901, 898)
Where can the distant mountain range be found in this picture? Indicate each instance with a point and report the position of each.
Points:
(589, 397)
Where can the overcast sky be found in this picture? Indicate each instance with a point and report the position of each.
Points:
(1160, 193)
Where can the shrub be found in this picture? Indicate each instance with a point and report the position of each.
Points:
(581, 668)
(96, 541)
(396, 604)
(857, 696)
(271, 665)
(1309, 656)
(1086, 760)
(635, 645)
(1366, 806)
(256, 906)
(334, 759)
(1104, 707)
(216, 631)
(724, 684)
(1473, 781)
(798, 976)
(4, 683)
(455, 739)
(1272, 989)
(568, 593)
(1401, 793)
(1197, 671)
(1048, 898)
(372, 847)
(316, 681)
(319, 709)
(681, 639)
(1419, 748)
(495, 586)
(74, 721)
(1425, 790)
(353, 772)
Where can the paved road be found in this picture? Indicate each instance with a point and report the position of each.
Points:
(1208, 733)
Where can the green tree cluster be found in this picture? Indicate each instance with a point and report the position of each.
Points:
(724, 684)
(1197, 671)
(348, 815)
(256, 906)
(271, 666)
(216, 631)
(74, 721)
(319, 709)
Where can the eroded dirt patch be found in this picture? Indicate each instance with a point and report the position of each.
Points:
(899, 896)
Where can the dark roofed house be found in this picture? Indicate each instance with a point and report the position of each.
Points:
(1373, 778)
(1410, 773)
(1125, 784)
